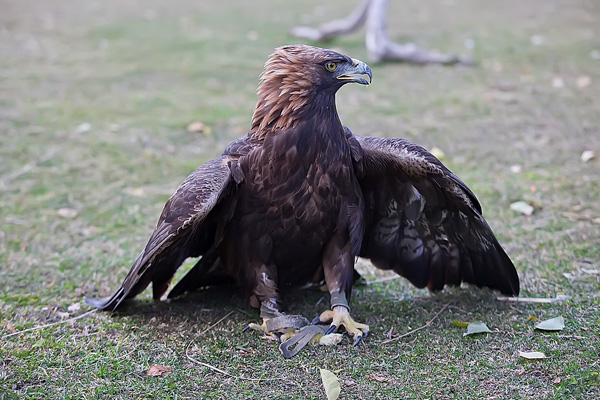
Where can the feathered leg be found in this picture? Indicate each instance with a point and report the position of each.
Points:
(338, 265)
(266, 296)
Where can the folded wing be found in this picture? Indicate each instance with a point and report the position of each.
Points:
(188, 227)
(423, 222)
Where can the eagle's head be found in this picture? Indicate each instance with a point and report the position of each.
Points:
(300, 76)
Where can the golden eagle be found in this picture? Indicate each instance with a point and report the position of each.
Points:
(300, 197)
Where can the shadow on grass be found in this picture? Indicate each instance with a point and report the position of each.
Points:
(370, 303)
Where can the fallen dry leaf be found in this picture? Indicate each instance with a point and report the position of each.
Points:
(522, 207)
(557, 380)
(583, 81)
(476, 327)
(159, 370)
(553, 324)
(379, 378)
(68, 213)
(135, 192)
(10, 328)
(84, 127)
(588, 155)
(331, 384)
(537, 40)
(558, 82)
(330, 340)
(74, 307)
(199, 127)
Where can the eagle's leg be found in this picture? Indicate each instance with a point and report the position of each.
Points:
(272, 322)
(265, 295)
(339, 315)
(338, 265)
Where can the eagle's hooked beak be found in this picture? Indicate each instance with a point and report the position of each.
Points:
(356, 72)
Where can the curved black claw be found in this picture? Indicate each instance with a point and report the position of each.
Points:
(278, 335)
(246, 328)
(357, 341)
(366, 334)
(316, 320)
(331, 329)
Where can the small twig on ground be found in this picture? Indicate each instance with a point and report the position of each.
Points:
(215, 324)
(52, 324)
(417, 329)
(558, 298)
(196, 361)
(5, 179)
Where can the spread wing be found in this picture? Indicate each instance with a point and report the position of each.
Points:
(423, 222)
(196, 210)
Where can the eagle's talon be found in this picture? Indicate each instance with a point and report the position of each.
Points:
(331, 329)
(278, 336)
(340, 316)
(262, 327)
(281, 334)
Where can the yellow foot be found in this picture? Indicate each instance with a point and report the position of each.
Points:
(340, 316)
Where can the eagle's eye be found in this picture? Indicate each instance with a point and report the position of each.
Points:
(331, 66)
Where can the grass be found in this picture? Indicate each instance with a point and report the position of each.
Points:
(138, 74)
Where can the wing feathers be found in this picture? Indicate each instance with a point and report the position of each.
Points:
(184, 214)
(424, 222)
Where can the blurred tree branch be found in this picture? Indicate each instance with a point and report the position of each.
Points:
(379, 46)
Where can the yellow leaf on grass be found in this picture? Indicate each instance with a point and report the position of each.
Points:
(330, 383)
(461, 324)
